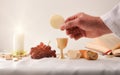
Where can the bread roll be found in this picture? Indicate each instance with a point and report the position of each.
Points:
(116, 52)
(74, 54)
(82, 53)
(90, 55)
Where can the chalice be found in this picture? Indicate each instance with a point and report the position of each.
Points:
(61, 44)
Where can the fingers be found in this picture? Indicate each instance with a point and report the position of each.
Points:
(72, 26)
(63, 27)
(71, 18)
(75, 36)
(75, 33)
(74, 17)
(69, 24)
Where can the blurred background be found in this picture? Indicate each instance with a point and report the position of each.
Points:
(34, 16)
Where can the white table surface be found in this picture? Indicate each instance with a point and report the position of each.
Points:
(54, 66)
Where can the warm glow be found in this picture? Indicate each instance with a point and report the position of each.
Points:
(19, 29)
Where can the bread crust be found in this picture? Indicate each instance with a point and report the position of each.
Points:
(90, 55)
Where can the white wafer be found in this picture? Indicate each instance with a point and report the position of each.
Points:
(56, 21)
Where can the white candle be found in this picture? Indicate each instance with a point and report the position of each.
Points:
(18, 41)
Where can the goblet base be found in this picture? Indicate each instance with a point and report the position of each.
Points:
(61, 57)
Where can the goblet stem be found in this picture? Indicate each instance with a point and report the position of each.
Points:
(61, 54)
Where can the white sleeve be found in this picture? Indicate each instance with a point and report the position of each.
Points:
(112, 20)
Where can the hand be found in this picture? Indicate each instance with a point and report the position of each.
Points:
(83, 25)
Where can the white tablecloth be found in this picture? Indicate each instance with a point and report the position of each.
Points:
(54, 66)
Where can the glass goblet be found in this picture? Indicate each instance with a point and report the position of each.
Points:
(61, 44)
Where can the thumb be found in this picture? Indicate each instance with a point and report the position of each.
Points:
(67, 25)
(62, 27)
(71, 24)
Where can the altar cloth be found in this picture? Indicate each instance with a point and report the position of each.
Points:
(55, 66)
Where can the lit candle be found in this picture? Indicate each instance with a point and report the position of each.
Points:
(18, 42)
